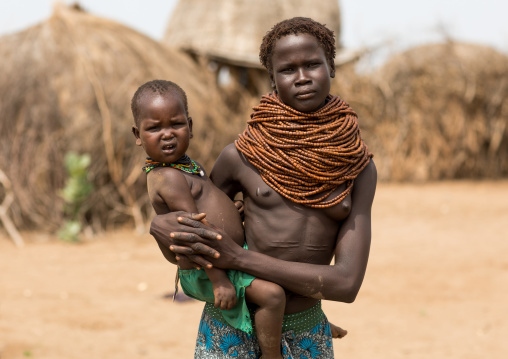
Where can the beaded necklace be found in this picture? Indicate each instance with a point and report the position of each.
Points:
(305, 156)
(184, 164)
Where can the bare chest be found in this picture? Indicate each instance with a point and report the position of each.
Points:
(263, 196)
(278, 227)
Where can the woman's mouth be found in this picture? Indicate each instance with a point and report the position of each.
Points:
(304, 95)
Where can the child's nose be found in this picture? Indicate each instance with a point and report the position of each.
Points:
(166, 134)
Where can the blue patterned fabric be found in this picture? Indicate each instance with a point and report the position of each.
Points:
(195, 284)
(217, 340)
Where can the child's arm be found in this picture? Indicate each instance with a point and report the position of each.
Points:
(167, 190)
(170, 192)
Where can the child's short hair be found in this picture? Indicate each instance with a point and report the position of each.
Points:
(294, 26)
(159, 87)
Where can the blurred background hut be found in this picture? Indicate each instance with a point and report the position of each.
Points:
(437, 111)
(434, 112)
(66, 87)
(225, 35)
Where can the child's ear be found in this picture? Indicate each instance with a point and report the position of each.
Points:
(189, 120)
(135, 131)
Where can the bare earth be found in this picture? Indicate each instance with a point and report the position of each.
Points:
(436, 287)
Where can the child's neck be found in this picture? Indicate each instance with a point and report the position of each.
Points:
(184, 164)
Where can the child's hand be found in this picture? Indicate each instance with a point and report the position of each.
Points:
(239, 206)
(225, 295)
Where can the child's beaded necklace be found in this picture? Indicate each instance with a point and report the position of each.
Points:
(184, 164)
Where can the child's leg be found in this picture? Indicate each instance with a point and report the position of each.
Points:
(271, 300)
(223, 290)
(337, 332)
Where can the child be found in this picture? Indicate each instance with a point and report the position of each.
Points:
(308, 183)
(177, 183)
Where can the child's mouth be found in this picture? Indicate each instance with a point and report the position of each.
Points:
(168, 147)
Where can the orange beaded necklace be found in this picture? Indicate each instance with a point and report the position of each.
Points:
(305, 156)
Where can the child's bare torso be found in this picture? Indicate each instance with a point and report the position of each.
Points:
(220, 210)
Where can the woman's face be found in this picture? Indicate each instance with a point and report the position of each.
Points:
(300, 72)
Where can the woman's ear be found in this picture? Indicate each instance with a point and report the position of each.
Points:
(332, 70)
(272, 82)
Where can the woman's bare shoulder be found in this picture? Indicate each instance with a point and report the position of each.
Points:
(229, 154)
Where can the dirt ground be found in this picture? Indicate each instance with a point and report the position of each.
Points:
(436, 287)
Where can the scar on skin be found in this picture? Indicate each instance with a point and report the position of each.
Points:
(319, 295)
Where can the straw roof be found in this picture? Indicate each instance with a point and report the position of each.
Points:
(439, 113)
(231, 30)
(66, 86)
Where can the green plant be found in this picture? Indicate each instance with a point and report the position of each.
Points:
(76, 191)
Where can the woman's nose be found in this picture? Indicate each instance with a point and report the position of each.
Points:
(302, 76)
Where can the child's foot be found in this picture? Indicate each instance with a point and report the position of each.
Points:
(337, 332)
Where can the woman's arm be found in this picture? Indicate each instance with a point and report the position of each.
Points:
(339, 282)
(182, 233)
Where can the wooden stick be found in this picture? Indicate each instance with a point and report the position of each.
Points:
(4, 207)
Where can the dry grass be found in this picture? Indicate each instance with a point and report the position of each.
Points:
(435, 112)
(66, 86)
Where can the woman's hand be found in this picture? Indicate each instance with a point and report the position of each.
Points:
(203, 239)
(185, 234)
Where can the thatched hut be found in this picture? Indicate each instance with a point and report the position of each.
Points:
(66, 86)
(228, 33)
(440, 113)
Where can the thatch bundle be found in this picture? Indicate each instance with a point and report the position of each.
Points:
(438, 112)
(66, 86)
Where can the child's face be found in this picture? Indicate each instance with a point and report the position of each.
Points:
(164, 128)
(300, 72)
